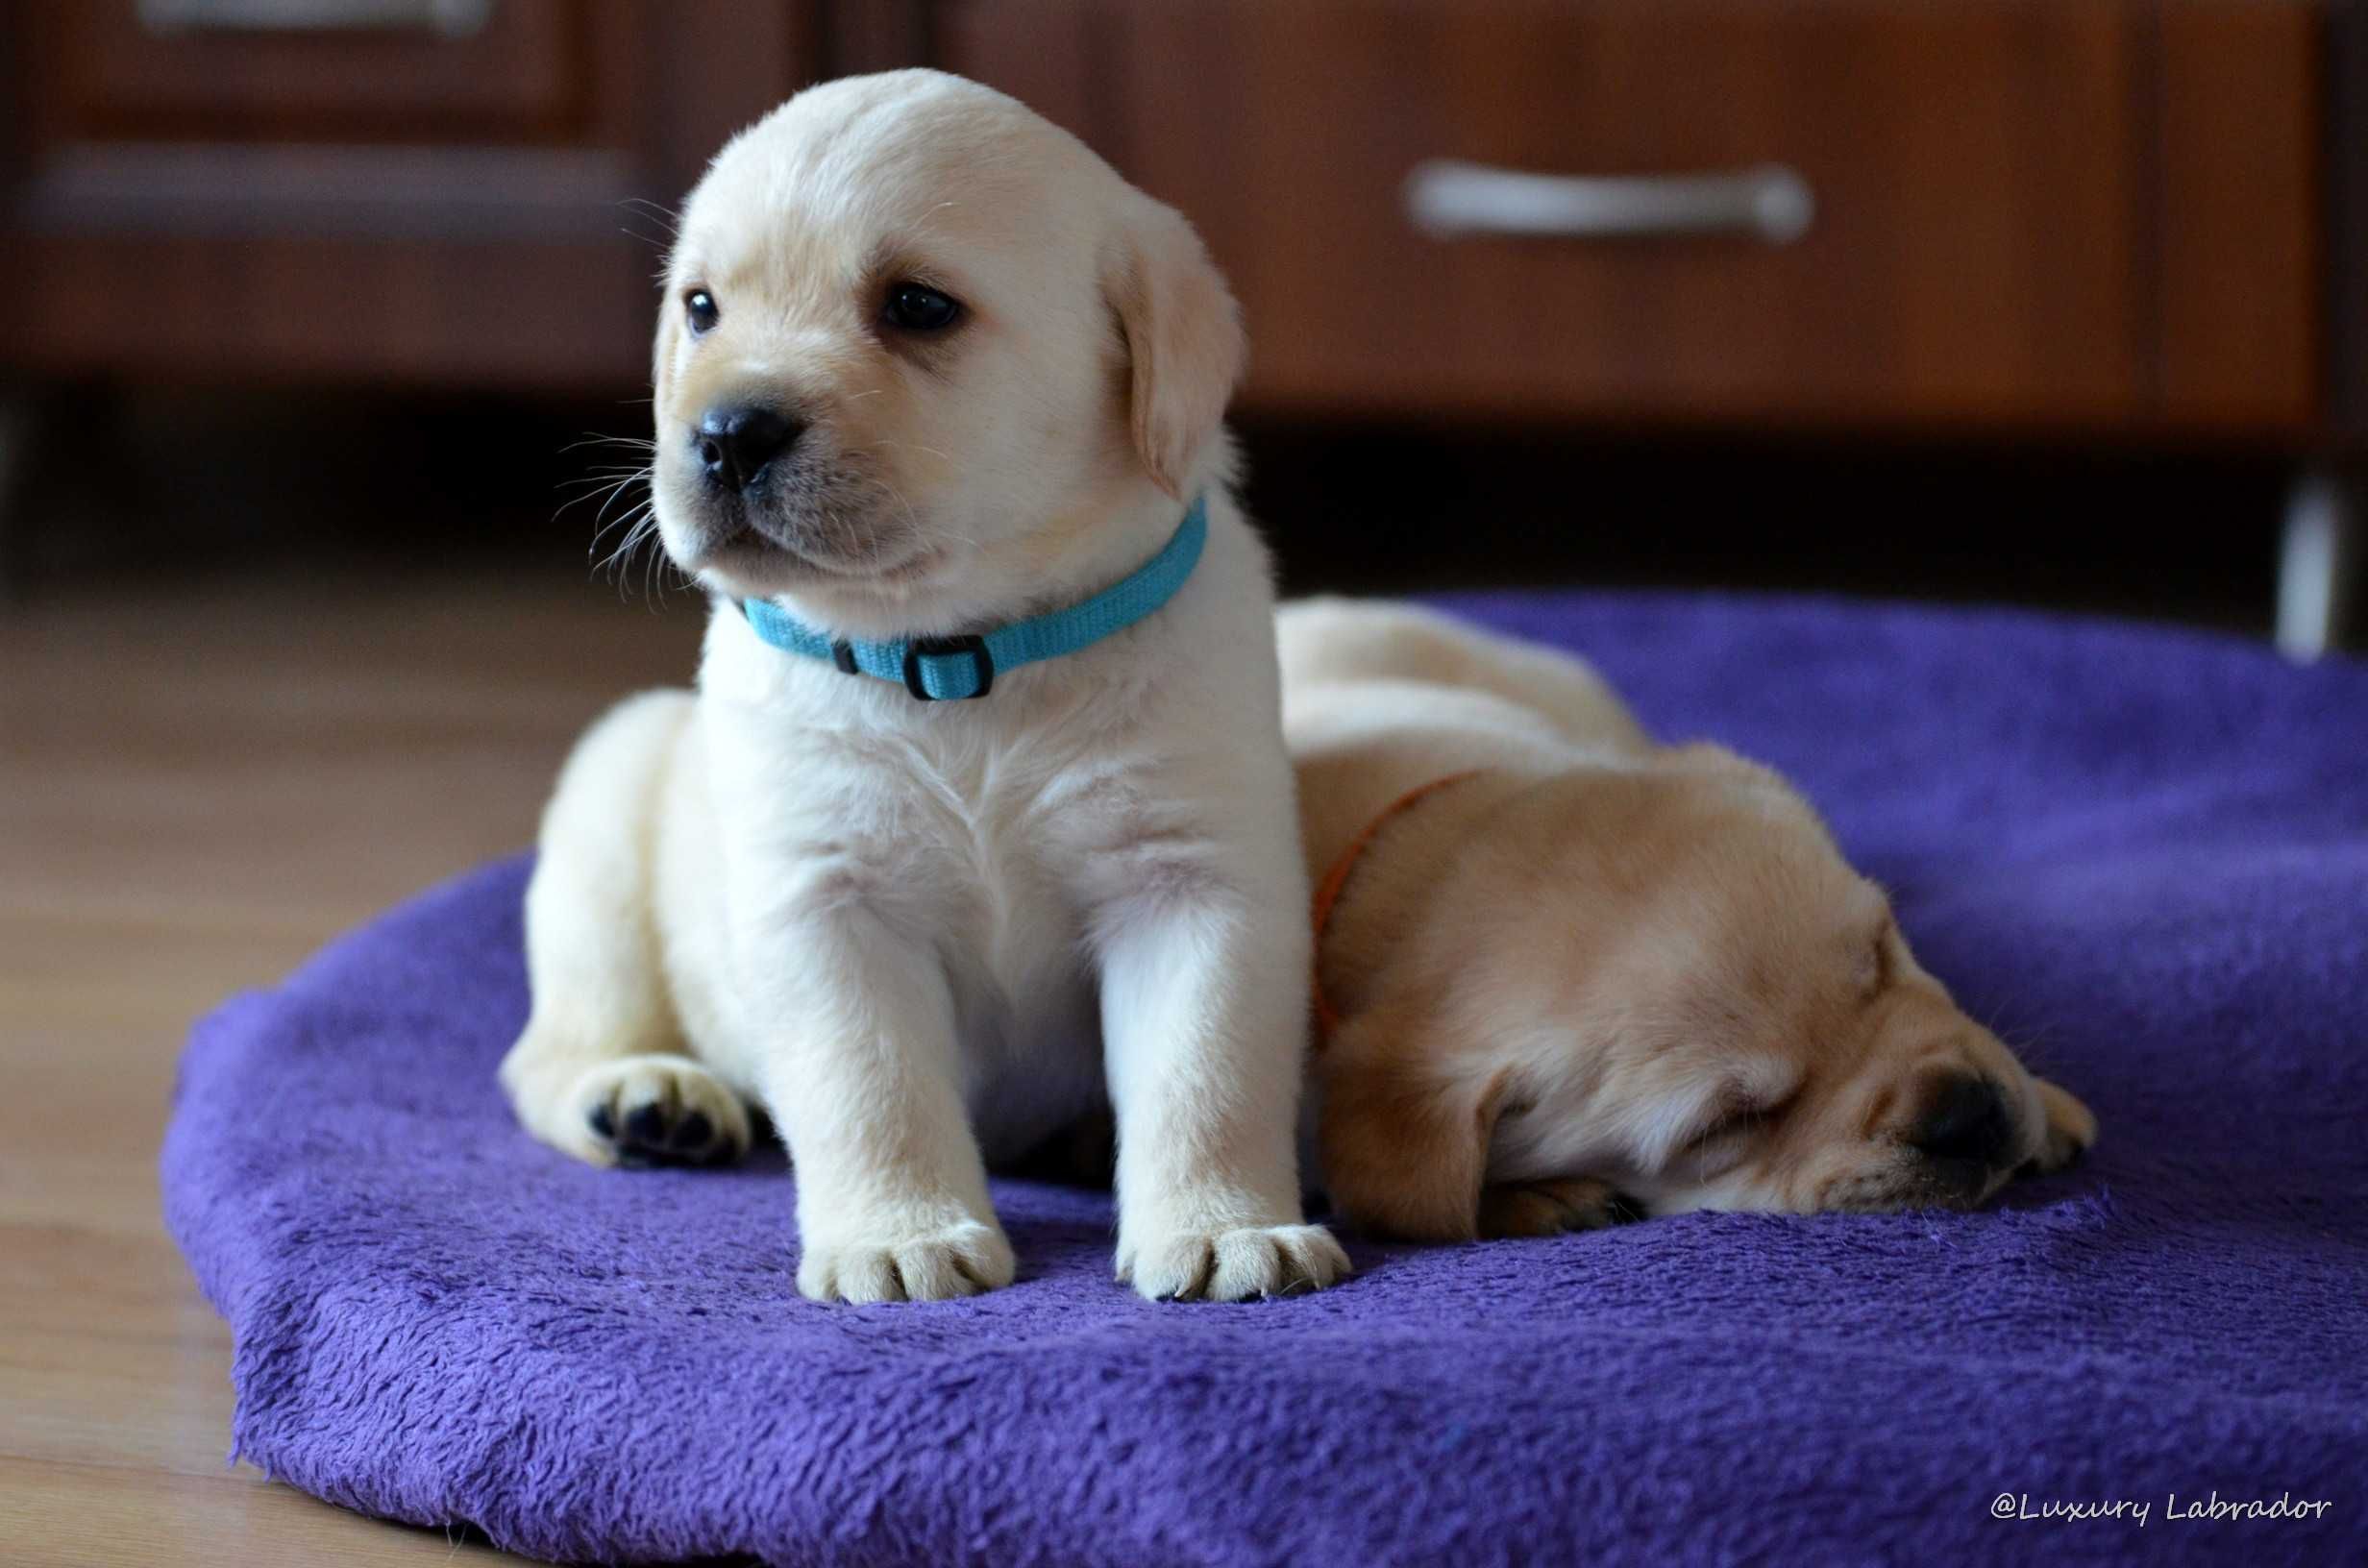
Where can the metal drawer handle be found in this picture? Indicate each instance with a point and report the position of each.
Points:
(1447, 199)
(453, 18)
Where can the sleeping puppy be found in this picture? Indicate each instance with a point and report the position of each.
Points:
(980, 820)
(1567, 977)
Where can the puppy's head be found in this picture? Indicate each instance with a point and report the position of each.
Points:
(918, 345)
(1670, 979)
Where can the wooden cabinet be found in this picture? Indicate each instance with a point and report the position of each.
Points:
(2051, 216)
(2246, 297)
(2023, 214)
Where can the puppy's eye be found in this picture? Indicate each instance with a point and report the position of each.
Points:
(1737, 1119)
(917, 308)
(698, 306)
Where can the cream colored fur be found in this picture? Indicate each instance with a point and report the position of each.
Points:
(924, 936)
(1601, 977)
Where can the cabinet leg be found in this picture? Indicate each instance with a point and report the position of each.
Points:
(2320, 564)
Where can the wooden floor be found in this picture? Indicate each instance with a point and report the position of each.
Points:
(196, 788)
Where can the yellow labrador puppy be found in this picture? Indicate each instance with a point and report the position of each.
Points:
(1567, 977)
(981, 817)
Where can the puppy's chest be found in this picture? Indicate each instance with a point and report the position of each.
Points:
(994, 860)
(994, 851)
(985, 868)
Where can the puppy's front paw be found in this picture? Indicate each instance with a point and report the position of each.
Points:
(1233, 1265)
(1549, 1208)
(657, 1110)
(959, 1260)
(2071, 1128)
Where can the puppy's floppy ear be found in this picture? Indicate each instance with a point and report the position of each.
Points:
(1184, 343)
(1710, 757)
(1404, 1135)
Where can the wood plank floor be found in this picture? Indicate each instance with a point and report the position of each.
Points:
(197, 787)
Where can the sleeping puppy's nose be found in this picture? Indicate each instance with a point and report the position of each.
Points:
(1964, 1119)
(737, 440)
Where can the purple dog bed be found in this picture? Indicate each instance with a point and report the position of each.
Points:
(2142, 855)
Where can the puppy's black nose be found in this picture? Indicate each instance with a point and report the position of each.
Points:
(737, 440)
(1965, 1118)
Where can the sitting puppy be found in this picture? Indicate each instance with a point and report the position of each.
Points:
(980, 820)
(1567, 977)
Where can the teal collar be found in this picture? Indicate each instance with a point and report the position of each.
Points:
(953, 669)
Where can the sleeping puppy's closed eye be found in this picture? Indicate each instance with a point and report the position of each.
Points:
(1590, 978)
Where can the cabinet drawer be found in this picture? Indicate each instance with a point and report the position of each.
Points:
(372, 193)
(309, 71)
(1977, 174)
(1974, 172)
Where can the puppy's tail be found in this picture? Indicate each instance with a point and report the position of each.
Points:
(592, 947)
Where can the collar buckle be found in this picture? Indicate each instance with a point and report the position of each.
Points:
(970, 646)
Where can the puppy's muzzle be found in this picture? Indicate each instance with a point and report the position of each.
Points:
(737, 443)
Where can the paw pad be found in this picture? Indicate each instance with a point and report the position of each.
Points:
(669, 1114)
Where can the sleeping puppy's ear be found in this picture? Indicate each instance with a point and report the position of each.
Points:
(1405, 1146)
(1710, 757)
(1184, 344)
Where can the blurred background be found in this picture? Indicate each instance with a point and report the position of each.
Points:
(2051, 301)
(315, 316)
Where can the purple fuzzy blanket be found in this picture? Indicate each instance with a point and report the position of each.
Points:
(2143, 856)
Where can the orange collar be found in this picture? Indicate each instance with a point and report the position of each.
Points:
(1329, 891)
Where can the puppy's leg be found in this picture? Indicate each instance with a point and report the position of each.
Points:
(1551, 1207)
(892, 1192)
(600, 1071)
(1404, 1139)
(2071, 1128)
(1203, 1005)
